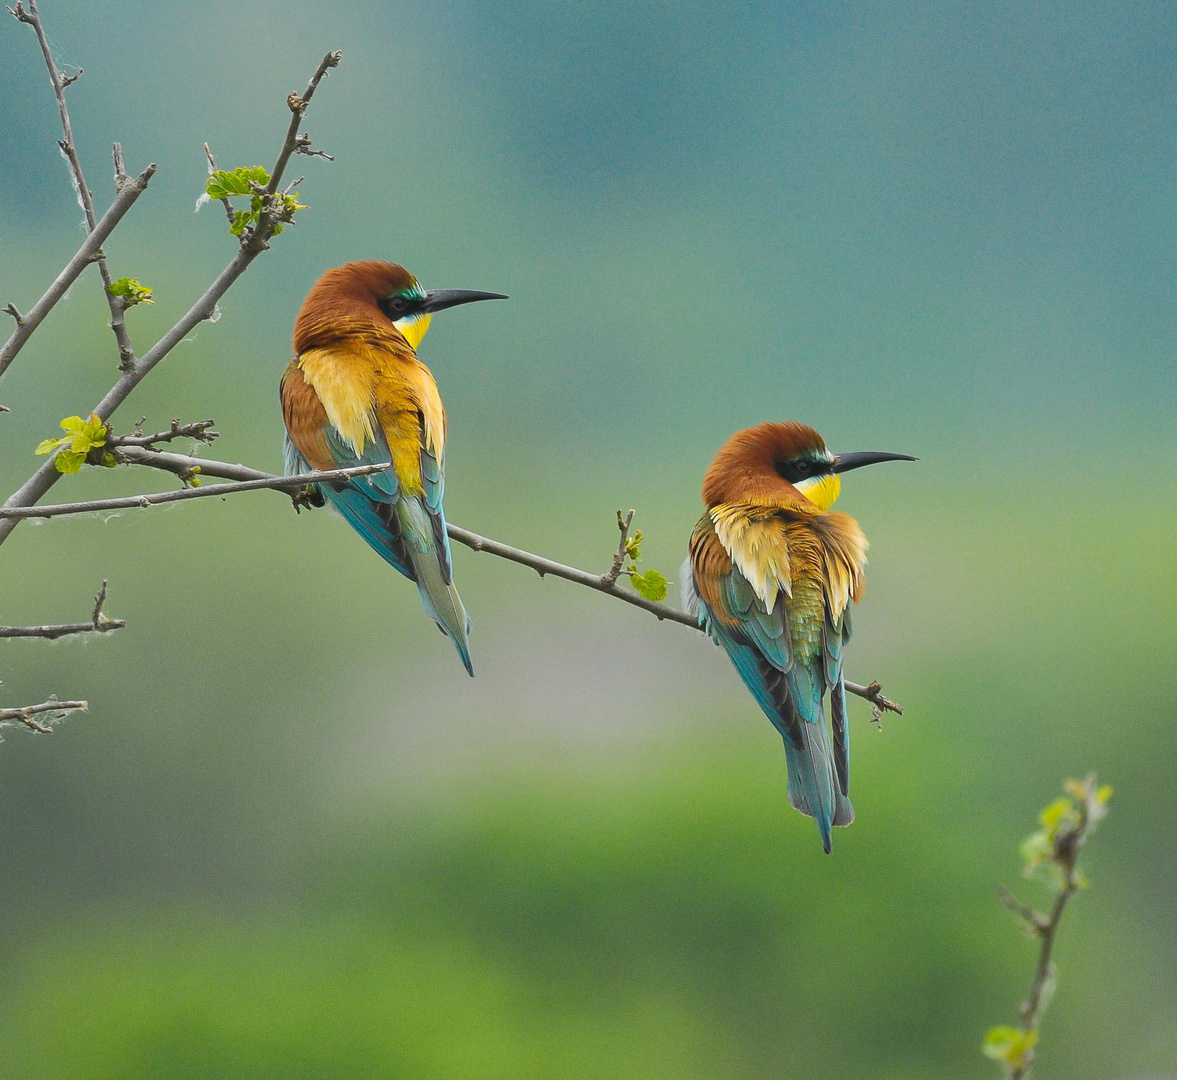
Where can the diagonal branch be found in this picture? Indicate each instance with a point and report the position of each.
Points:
(247, 479)
(26, 324)
(298, 106)
(36, 487)
(60, 82)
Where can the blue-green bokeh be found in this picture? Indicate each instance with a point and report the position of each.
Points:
(291, 839)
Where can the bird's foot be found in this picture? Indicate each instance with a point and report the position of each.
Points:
(308, 496)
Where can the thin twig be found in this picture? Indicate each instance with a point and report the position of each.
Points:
(132, 502)
(1088, 807)
(200, 430)
(60, 630)
(117, 309)
(298, 107)
(212, 168)
(120, 166)
(128, 193)
(614, 572)
(248, 479)
(1035, 921)
(36, 487)
(99, 623)
(25, 715)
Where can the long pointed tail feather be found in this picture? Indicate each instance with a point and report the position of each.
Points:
(439, 597)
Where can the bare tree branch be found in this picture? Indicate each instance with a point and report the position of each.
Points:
(117, 308)
(298, 107)
(248, 479)
(25, 715)
(133, 502)
(26, 324)
(99, 623)
(120, 166)
(36, 487)
(200, 430)
(614, 572)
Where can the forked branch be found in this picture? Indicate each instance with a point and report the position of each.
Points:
(99, 623)
(27, 714)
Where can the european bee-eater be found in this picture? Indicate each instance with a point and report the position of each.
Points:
(356, 394)
(770, 575)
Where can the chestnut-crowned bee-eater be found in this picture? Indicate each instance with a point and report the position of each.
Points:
(770, 575)
(356, 394)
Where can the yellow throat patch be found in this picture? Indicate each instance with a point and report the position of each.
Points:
(822, 491)
(414, 328)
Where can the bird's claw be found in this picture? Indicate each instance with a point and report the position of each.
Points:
(308, 496)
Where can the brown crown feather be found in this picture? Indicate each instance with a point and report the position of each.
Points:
(343, 301)
(745, 467)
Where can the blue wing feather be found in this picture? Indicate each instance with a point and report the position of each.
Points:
(789, 692)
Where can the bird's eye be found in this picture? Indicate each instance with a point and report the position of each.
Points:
(804, 467)
(398, 303)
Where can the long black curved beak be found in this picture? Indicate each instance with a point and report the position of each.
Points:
(440, 299)
(856, 460)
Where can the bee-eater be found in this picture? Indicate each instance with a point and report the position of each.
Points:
(356, 394)
(770, 576)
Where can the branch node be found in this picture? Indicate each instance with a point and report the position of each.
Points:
(10, 309)
(616, 569)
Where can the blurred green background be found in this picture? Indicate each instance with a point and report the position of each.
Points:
(291, 839)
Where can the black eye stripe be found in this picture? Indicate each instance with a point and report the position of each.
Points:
(797, 469)
(397, 306)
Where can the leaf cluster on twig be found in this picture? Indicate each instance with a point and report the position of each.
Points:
(1050, 854)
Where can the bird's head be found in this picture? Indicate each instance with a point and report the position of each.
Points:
(772, 458)
(377, 289)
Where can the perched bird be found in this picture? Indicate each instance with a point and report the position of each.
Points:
(356, 394)
(770, 576)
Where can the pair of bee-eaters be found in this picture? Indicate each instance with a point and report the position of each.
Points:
(771, 571)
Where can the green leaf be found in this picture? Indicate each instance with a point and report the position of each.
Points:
(132, 291)
(1056, 814)
(240, 220)
(81, 436)
(651, 584)
(1009, 1045)
(224, 184)
(69, 461)
(49, 445)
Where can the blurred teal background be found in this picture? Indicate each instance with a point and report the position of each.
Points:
(291, 839)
